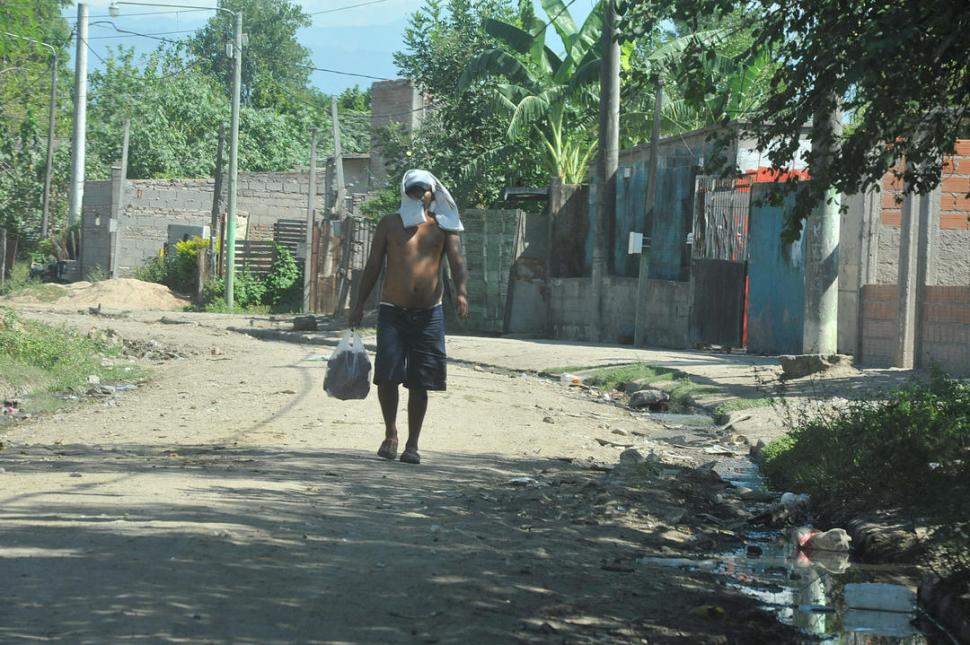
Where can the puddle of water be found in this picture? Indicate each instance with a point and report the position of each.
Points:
(686, 420)
(823, 594)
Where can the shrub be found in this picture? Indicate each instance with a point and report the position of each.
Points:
(284, 283)
(912, 449)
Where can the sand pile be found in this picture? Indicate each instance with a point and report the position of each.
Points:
(124, 293)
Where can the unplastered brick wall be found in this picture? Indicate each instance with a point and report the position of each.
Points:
(951, 248)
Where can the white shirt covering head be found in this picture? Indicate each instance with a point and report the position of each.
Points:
(443, 205)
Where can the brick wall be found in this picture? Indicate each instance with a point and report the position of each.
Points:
(879, 337)
(952, 239)
(944, 328)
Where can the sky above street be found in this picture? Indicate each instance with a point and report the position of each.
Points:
(356, 40)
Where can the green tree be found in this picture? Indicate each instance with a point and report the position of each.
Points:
(901, 70)
(547, 96)
(462, 139)
(275, 64)
(24, 103)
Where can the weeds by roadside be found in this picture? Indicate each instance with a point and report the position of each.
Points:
(676, 383)
(912, 448)
(38, 358)
(21, 284)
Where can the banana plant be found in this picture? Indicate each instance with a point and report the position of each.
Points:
(547, 95)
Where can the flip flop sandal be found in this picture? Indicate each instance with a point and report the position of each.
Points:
(388, 449)
(410, 456)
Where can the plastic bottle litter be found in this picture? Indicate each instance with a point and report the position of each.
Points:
(570, 379)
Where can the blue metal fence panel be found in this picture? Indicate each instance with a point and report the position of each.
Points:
(673, 216)
(631, 194)
(776, 281)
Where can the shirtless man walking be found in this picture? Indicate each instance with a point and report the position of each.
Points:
(411, 321)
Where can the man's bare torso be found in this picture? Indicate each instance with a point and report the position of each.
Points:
(413, 275)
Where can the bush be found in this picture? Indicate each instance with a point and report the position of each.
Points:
(176, 269)
(284, 283)
(912, 449)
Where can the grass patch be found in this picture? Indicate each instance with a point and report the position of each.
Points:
(910, 450)
(21, 284)
(737, 405)
(219, 306)
(612, 377)
(682, 390)
(37, 358)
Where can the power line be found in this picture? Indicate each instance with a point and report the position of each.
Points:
(350, 6)
(134, 34)
(131, 33)
(149, 13)
(337, 71)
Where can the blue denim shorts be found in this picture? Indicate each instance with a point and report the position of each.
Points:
(411, 347)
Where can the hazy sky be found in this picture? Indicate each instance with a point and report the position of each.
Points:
(360, 40)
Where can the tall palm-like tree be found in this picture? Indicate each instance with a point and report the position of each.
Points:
(549, 96)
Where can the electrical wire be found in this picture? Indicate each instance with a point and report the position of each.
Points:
(350, 6)
(134, 34)
(337, 71)
(149, 13)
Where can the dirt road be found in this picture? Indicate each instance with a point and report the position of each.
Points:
(230, 501)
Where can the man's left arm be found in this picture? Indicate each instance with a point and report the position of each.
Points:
(457, 263)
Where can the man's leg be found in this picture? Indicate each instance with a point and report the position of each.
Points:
(417, 406)
(387, 394)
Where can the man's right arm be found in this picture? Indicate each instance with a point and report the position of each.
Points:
(372, 270)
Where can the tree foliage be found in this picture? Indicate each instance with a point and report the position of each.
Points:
(463, 139)
(25, 72)
(546, 96)
(900, 70)
(274, 63)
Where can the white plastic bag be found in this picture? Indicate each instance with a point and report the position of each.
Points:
(348, 371)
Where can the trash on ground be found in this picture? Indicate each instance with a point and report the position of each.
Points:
(831, 540)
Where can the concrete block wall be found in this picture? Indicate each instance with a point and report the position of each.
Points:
(946, 329)
(151, 205)
(570, 304)
(397, 101)
(879, 336)
(667, 314)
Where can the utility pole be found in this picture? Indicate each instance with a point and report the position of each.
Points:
(311, 221)
(820, 328)
(338, 159)
(607, 161)
(80, 116)
(648, 215)
(233, 159)
(216, 202)
(49, 169)
(119, 200)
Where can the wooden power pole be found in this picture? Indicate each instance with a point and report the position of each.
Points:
(311, 222)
